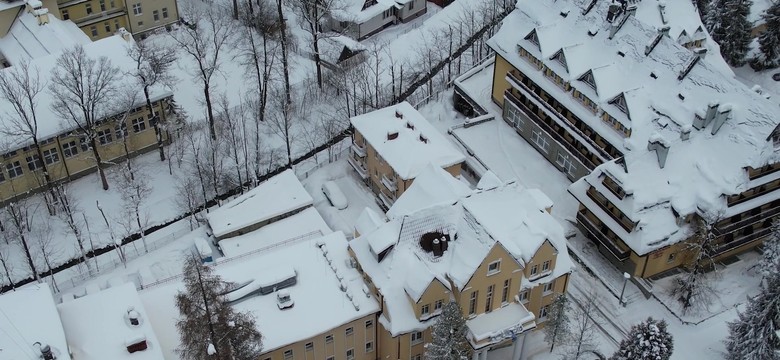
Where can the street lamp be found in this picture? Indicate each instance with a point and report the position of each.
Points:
(626, 276)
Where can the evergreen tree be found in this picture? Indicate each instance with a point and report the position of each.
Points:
(728, 24)
(752, 336)
(694, 288)
(770, 262)
(647, 340)
(556, 328)
(449, 336)
(209, 328)
(769, 40)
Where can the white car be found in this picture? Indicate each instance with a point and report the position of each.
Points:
(335, 195)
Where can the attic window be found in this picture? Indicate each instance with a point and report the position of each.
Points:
(565, 12)
(620, 102)
(532, 37)
(561, 59)
(588, 79)
(392, 135)
(593, 31)
(653, 75)
(399, 114)
(423, 138)
(409, 125)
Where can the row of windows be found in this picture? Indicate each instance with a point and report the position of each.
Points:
(426, 309)
(309, 346)
(489, 297)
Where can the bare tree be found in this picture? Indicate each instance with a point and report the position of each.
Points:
(115, 242)
(280, 124)
(82, 91)
(44, 243)
(232, 121)
(69, 215)
(188, 198)
(283, 41)
(152, 68)
(694, 288)
(7, 267)
(21, 86)
(312, 14)
(20, 215)
(204, 43)
(134, 191)
(584, 321)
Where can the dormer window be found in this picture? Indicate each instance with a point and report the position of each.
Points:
(620, 102)
(425, 310)
(561, 59)
(532, 37)
(368, 4)
(588, 79)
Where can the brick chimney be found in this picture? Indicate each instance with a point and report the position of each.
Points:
(660, 146)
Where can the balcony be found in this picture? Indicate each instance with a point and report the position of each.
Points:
(547, 129)
(387, 201)
(620, 253)
(358, 150)
(514, 81)
(359, 167)
(742, 241)
(389, 184)
(608, 207)
(751, 194)
(719, 230)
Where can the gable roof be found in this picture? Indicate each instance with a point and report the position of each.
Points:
(28, 315)
(433, 186)
(27, 40)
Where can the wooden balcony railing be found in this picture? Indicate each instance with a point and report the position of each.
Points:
(603, 239)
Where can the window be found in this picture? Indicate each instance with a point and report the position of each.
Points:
(473, 303)
(348, 331)
(139, 125)
(417, 337)
(14, 169)
(540, 141)
(438, 305)
(140, 23)
(69, 149)
(107, 26)
(549, 287)
(65, 15)
(116, 24)
(671, 257)
(387, 13)
(2, 177)
(112, 4)
(513, 116)
(93, 30)
(546, 266)
(328, 339)
(34, 162)
(524, 296)
(505, 291)
(51, 156)
(104, 136)
(489, 298)
(330, 358)
(350, 354)
(369, 324)
(102, 5)
(309, 346)
(165, 13)
(425, 309)
(494, 267)
(564, 162)
(369, 346)
(85, 145)
(288, 354)
(156, 15)
(137, 9)
(417, 357)
(411, 5)
(543, 312)
(534, 270)
(89, 8)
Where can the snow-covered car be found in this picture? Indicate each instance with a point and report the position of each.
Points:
(334, 194)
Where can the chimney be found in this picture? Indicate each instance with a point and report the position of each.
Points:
(46, 353)
(700, 52)
(136, 343)
(685, 132)
(614, 11)
(437, 251)
(392, 135)
(663, 31)
(701, 122)
(126, 35)
(660, 146)
(133, 317)
(723, 114)
(662, 11)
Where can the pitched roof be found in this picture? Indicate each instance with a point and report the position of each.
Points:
(415, 135)
(433, 186)
(27, 40)
(28, 316)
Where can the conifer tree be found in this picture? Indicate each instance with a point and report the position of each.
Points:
(556, 328)
(752, 336)
(770, 261)
(647, 340)
(209, 328)
(728, 24)
(769, 40)
(449, 336)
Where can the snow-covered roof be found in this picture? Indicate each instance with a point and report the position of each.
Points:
(28, 316)
(276, 196)
(684, 24)
(98, 326)
(509, 317)
(353, 11)
(27, 40)
(507, 214)
(433, 186)
(697, 171)
(320, 304)
(114, 48)
(415, 135)
(305, 224)
(368, 221)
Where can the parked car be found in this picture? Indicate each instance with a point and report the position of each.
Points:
(335, 195)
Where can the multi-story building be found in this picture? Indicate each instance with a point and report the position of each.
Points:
(655, 136)
(497, 252)
(391, 146)
(65, 151)
(363, 18)
(102, 18)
